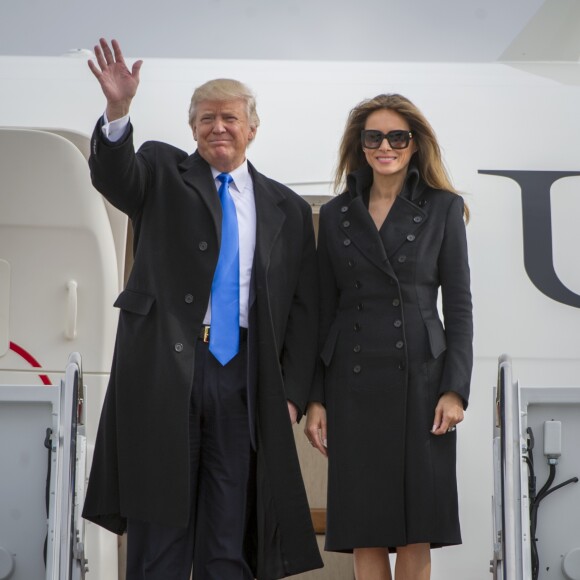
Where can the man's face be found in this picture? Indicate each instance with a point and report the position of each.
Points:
(222, 131)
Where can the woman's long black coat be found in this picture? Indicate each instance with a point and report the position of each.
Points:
(140, 466)
(387, 359)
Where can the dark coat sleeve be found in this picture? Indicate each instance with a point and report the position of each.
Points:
(301, 338)
(457, 307)
(328, 304)
(120, 175)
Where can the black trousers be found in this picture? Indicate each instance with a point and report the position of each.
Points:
(222, 485)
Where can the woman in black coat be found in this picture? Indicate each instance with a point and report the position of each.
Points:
(393, 381)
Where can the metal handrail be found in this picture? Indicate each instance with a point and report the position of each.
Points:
(509, 426)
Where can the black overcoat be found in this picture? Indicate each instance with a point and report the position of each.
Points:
(386, 360)
(141, 461)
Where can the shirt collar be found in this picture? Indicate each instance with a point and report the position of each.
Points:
(240, 175)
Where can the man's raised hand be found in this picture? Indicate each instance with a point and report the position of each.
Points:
(119, 84)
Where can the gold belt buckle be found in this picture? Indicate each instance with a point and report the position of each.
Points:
(206, 334)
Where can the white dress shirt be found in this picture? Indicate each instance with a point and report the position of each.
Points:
(242, 192)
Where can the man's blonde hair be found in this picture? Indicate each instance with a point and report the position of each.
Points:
(225, 90)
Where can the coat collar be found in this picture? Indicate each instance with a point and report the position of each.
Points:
(269, 200)
(359, 182)
(404, 220)
(270, 216)
(196, 173)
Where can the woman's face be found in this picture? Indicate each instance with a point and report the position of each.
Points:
(386, 161)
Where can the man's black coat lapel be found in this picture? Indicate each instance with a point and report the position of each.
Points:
(197, 175)
(270, 218)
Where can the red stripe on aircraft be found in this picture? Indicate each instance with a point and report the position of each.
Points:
(30, 360)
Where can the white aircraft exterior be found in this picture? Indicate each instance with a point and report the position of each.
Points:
(510, 134)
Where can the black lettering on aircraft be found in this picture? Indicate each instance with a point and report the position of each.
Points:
(537, 230)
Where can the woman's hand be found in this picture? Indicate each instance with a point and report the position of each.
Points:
(315, 429)
(448, 413)
(119, 84)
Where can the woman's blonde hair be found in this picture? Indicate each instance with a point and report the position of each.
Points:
(428, 157)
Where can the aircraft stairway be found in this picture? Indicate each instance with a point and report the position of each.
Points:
(43, 463)
(536, 452)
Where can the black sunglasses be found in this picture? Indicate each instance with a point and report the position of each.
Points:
(372, 139)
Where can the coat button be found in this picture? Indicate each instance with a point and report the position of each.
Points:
(345, 224)
(359, 306)
(397, 324)
(344, 209)
(357, 284)
(402, 259)
(402, 365)
(188, 298)
(396, 302)
(410, 238)
(356, 348)
(399, 344)
(417, 219)
(178, 347)
(351, 263)
(356, 327)
(422, 202)
(356, 369)
(202, 246)
(346, 242)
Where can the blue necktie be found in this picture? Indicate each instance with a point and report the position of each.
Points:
(224, 338)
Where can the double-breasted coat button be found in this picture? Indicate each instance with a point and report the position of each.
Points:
(422, 202)
(345, 224)
(417, 219)
(356, 327)
(356, 369)
(359, 306)
(410, 238)
(357, 284)
(202, 246)
(346, 242)
(402, 365)
(397, 324)
(188, 298)
(402, 259)
(350, 263)
(178, 347)
(396, 302)
(344, 209)
(399, 344)
(356, 348)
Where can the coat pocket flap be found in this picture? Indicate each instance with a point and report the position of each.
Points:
(328, 348)
(437, 340)
(135, 302)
